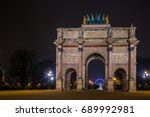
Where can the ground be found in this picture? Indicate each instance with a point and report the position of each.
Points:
(75, 95)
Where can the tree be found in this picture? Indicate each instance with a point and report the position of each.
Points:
(22, 64)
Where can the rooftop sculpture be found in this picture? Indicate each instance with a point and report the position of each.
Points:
(95, 19)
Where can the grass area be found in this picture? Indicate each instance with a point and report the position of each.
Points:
(71, 95)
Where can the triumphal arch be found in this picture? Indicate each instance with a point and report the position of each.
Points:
(114, 46)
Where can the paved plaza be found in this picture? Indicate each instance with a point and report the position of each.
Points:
(74, 95)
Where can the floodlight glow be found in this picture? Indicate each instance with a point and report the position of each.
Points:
(49, 74)
(114, 79)
(91, 82)
(52, 78)
(145, 72)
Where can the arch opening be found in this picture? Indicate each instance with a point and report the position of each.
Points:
(119, 79)
(71, 79)
(95, 72)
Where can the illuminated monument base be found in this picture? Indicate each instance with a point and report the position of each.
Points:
(114, 46)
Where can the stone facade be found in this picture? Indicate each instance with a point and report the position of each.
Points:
(115, 46)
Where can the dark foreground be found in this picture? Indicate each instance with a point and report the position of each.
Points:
(72, 95)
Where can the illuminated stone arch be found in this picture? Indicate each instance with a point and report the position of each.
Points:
(116, 45)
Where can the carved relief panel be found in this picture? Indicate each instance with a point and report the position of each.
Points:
(120, 58)
(120, 33)
(70, 34)
(70, 55)
(120, 55)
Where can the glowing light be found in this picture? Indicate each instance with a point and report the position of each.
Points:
(52, 78)
(50, 73)
(146, 84)
(90, 82)
(100, 82)
(146, 74)
(114, 79)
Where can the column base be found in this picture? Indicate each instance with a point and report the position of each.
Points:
(59, 84)
(79, 84)
(132, 85)
(110, 85)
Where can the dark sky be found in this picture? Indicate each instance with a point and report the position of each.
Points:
(32, 23)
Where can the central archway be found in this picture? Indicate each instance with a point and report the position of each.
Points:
(95, 69)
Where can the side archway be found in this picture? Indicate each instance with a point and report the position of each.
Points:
(70, 79)
(120, 80)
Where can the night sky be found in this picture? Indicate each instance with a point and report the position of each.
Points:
(32, 24)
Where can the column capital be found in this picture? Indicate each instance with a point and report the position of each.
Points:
(110, 41)
(59, 42)
(133, 41)
(80, 41)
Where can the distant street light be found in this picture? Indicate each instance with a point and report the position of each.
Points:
(146, 74)
(50, 78)
(50, 73)
(90, 82)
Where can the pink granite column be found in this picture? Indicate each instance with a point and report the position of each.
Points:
(110, 82)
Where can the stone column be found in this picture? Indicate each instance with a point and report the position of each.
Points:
(135, 61)
(110, 82)
(132, 77)
(106, 75)
(83, 74)
(59, 79)
(132, 59)
(80, 79)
